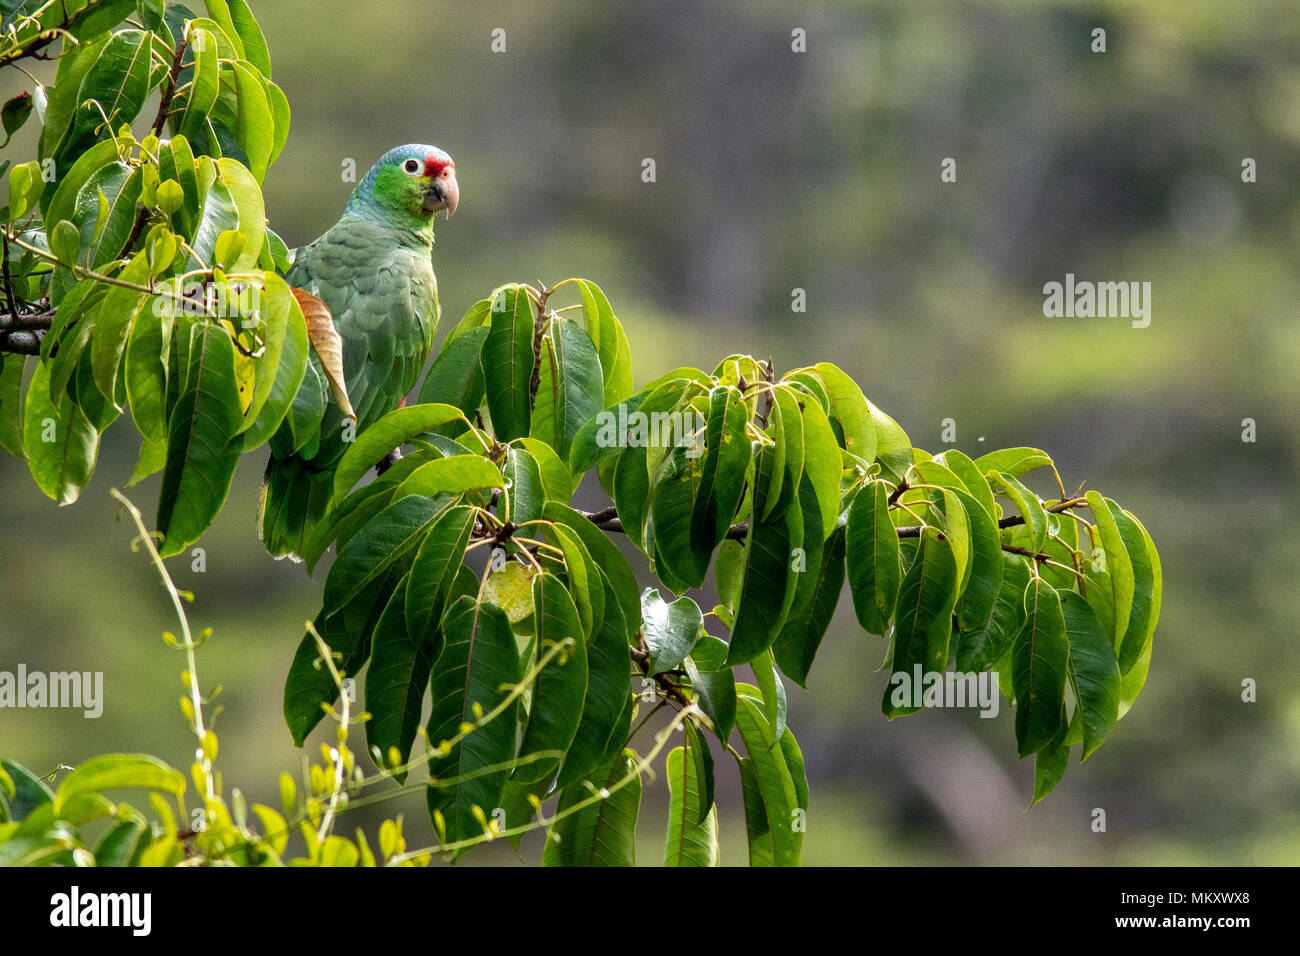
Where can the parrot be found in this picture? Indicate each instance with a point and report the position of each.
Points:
(373, 269)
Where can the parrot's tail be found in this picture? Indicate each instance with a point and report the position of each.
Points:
(294, 497)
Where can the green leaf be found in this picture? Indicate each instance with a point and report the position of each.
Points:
(65, 242)
(606, 554)
(118, 772)
(121, 844)
(670, 630)
(456, 378)
(1031, 509)
(714, 684)
(676, 496)
(289, 370)
(757, 832)
(822, 463)
(570, 390)
(347, 632)
(984, 580)
(454, 475)
(118, 82)
(384, 539)
(1145, 607)
(631, 475)
(1012, 461)
(1092, 670)
(849, 413)
(255, 123)
(1049, 767)
(923, 622)
(507, 359)
(981, 647)
(400, 662)
(608, 691)
(768, 588)
(775, 785)
(1039, 660)
(60, 442)
(435, 568)
(478, 668)
(250, 35)
(1119, 567)
(815, 600)
(192, 105)
(722, 478)
(392, 431)
(561, 687)
(113, 323)
(606, 333)
(14, 114)
(875, 569)
(11, 404)
(586, 584)
(691, 841)
(199, 466)
(29, 791)
(604, 832)
(970, 476)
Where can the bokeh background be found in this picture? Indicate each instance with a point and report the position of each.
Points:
(820, 170)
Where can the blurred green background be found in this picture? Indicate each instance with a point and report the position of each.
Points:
(820, 170)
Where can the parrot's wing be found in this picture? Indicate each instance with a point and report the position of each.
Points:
(384, 300)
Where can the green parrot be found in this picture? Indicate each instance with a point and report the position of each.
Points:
(373, 270)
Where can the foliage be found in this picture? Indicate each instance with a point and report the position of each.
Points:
(140, 274)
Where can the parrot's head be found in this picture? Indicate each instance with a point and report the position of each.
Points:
(413, 182)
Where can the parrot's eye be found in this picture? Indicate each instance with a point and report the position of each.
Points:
(411, 166)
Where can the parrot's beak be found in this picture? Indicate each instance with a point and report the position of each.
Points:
(444, 193)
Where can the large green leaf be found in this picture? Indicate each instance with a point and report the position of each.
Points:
(691, 841)
(722, 478)
(11, 404)
(981, 647)
(768, 588)
(670, 629)
(118, 82)
(984, 580)
(113, 322)
(456, 377)
(611, 344)
(396, 678)
(676, 496)
(199, 465)
(608, 689)
(1145, 607)
(118, 772)
(192, 105)
(372, 550)
(775, 785)
(714, 684)
(561, 687)
(1012, 461)
(507, 359)
(1119, 568)
(570, 389)
(1093, 672)
(435, 568)
(849, 412)
(606, 554)
(1039, 660)
(822, 463)
(347, 632)
(874, 566)
(923, 622)
(604, 832)
(1030, 507)
(393, 430)
(477, 668)
(815, 600)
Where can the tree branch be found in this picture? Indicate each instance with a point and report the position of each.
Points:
(539, 329)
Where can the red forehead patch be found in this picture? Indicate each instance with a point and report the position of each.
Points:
(433, 166)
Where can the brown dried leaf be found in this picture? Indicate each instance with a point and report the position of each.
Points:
(328, 344)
